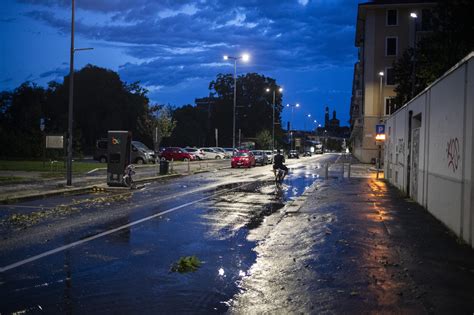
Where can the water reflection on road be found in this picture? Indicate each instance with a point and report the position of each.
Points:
(129, 270)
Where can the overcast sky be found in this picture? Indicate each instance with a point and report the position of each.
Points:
(175, 47)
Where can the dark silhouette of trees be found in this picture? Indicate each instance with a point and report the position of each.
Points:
(102, 102)
(254, 106)
(20, 113)
(452, 39)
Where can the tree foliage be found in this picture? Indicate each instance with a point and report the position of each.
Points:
(254, 106)
(263, 140)
(451, 40)
(102, 102)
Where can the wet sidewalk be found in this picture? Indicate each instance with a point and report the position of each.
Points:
(358, 246)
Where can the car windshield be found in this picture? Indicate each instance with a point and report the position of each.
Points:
(242, 154)
(257, 152)
(140, 145)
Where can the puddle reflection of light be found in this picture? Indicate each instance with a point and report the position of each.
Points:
(221, 272)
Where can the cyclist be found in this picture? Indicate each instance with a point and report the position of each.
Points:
(278, 163)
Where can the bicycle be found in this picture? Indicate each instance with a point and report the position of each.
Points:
(127, 177)
(279, 174)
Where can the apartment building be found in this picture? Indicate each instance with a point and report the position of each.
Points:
(384, 30)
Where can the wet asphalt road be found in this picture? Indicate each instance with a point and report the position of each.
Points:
(112, 252)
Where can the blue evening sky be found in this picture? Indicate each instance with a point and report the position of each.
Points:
(175, 47)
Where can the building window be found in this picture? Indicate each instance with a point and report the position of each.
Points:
(389, 76)
(389, 106)
(392, 17)
(391, 46)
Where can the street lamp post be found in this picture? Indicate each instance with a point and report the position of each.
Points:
(273, 117)
(414, 16)
(291, 122)
(71, 95)
(381, 75)
(244, 57)
(309, 116)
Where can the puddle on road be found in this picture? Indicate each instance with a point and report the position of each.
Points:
(129, 270)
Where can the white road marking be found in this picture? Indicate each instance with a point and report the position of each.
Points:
(105, 233)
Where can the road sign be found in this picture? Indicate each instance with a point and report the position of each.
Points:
(380, 132)
(380, 129)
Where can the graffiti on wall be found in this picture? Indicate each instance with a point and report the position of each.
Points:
(452, 151)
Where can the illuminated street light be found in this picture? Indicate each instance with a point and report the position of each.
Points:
(414, 16)
(297, 105)
(245, 58)
(273, 119)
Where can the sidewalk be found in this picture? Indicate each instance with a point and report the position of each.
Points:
(358, 246)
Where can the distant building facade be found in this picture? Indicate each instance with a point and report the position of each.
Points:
(384, 31)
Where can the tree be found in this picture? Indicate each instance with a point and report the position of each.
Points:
(164, 124)
(450, 41)
(254, 110)
(264, 140)
(102, 102)
(20, 113)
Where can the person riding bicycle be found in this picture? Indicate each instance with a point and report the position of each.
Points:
(278, 163)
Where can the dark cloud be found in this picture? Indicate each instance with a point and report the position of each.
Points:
(55, 74)
(177, 40)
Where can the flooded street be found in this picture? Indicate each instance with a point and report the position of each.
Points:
(117, 252)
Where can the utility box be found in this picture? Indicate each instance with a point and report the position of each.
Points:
(118, 156)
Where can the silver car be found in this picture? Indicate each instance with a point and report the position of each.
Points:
(260, 157)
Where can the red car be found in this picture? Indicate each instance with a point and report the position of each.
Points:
(244, 158)
(176, 154)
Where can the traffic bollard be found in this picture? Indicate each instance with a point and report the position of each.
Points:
(342, 170)
(189, 166)
(349, 171)
(327, 171)
(172, 165)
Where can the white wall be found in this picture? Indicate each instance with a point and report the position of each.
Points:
(443, 165)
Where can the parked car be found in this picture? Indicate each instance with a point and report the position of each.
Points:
(270, 156)
(293, 154)
(197, 152)
(243, 158)
(260, 157)
(177, 154)
(139, 153)
(227, 155)
(307, 153)
(230, 151)
(212, 154)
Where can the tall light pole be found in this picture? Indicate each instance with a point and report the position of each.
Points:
(70, 106)
(414, 16)
(309, 116)
(381, 75)
(291, 122)
(273, 117)
(244, 57)
(71, 95)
